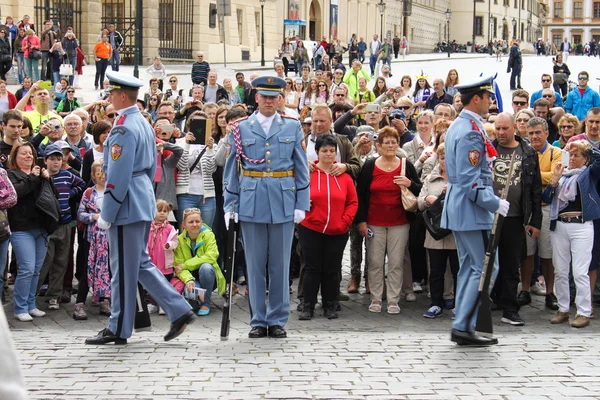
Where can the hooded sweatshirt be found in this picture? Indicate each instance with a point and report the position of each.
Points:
(334, 203)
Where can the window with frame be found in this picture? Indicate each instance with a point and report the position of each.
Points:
(558, 9)
(165, 26)
(596, 10)
(479, 26)
(240, 23)
(578, 10)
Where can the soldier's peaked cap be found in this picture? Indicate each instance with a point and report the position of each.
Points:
(269, 85)
(485, 83)
(123, 81)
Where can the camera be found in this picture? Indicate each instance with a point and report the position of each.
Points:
(55, 125)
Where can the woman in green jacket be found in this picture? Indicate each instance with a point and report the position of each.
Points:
(196, 258)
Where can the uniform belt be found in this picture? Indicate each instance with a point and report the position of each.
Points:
(569, 220)
(271, 174)
(138, 173)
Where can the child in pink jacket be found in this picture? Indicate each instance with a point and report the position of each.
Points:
(162, 241)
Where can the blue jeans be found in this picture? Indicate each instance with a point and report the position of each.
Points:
(372, 63)
(115, 61)
(21, 67)
(56, 76)
(3, 257)
(30, 249)
(32, 69)
(73, 61)
(208, 207)
(206, 278)
(299, 65)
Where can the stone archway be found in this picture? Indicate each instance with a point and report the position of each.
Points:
(315, 21)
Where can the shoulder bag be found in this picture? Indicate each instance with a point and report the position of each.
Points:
(433, 219)
(409, 200)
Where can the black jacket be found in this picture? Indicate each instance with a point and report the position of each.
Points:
(23, 217)
(363, 188)
(531, 185)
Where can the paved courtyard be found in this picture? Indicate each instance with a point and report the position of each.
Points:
(361, 355)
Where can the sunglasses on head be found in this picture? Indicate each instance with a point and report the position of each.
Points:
(519, 103)
(192, 210)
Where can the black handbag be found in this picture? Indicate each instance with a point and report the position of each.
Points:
(35, 54)
(48, 208)
(6, 58)
(433, 219)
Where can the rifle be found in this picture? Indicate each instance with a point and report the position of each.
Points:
(484, 325)
(229, 269)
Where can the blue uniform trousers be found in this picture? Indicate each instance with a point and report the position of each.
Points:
(130, 262)
(471, 246)
(272, 243)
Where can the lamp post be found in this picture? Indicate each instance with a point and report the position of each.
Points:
(262, 33)
(381, 12)
(448, 15)
(529, 22)
(514, 24)
(504, 28)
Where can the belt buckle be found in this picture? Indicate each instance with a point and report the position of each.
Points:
(568, 219)
(268, 174)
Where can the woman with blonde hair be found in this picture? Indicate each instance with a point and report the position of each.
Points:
(421, 147)
(522, 118)
(568, 126)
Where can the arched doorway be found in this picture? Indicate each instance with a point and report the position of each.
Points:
(315, 27)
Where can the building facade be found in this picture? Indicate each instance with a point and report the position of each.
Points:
(231, 29)
(576, 20)
(491, 20)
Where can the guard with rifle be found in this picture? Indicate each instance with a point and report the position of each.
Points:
(470, 205)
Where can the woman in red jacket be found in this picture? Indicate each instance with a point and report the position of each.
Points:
(8, 101)
(324, 231)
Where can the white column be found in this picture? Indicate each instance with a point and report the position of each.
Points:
(588, 6)
(567, 11)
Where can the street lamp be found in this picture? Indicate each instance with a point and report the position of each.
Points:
(514, 23)
(504, 29)
(262, 33)
(448, 15)
(381, 12)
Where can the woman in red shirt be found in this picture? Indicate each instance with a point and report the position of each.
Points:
(382, 219)
(324, 231)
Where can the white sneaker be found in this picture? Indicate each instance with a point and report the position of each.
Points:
(411, 297)
(152, 309)
(538, 289)
(417, 287)
(24, 317)
(161, 311)
(53, 304)
(37, 313)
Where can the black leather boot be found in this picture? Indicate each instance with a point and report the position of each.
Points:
(308, 311)
(329, 310)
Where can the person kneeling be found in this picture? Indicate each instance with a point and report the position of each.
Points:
(196, 258)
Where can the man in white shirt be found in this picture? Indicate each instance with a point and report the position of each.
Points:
(375, 47)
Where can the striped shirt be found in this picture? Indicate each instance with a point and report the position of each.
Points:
(67, 186)
(200, 72)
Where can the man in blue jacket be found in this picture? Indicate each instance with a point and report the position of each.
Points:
(582, 98)
(470, 204)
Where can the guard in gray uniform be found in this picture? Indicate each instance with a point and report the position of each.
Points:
(128, 208)
(266, 184)
(471, 203)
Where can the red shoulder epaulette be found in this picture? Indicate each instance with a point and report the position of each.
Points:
(121, 119)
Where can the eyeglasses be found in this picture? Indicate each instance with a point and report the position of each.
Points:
(567, 127)
(111, 115)
(173, 81)
(582, 78)
(522, 119)
(70, 91)
(403, 107)
(547, 96)
(154, 99)
(322, 85)
(546, 80)
(338, 73)
(340, 95)
(200, 56)
(519, 103)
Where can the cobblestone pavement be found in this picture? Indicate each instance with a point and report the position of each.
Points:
(361, 355)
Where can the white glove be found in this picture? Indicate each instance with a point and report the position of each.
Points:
(227, 217)
(102, 224)
(299, 216)
(503, 207)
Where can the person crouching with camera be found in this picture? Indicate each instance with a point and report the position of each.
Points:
(196, 259)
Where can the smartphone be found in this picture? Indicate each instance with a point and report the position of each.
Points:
(45, 85)
(565, 158)
(40, 162)
(372, 107)
(201, 129)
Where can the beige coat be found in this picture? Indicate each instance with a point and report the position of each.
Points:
(433, 185)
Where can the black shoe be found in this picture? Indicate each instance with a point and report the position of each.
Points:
(338, 306)
(512, 318)
(524, 298)
(519, 87)
(258, 332)
(551, 302)
(179, 325)
(104, 337)
(496, 307)
(308, 311)
(300, 306)
(462, 338)
(66, 296)
(329, 310)
(513, 88)
(277, 332)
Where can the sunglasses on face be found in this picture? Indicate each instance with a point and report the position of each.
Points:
(111, 115)
(548, 96)
(70, 91)
(567, 127)
(522, 119)
(582, 78)
(153, 99)
(403, 107)
(546, 80)
(322, 86)
(173, 81)
(519, 103)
